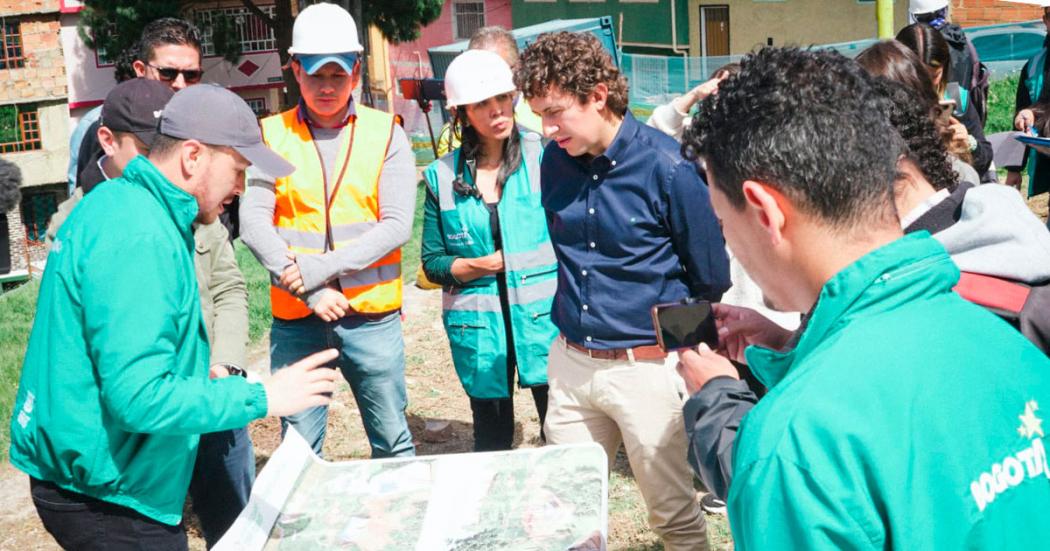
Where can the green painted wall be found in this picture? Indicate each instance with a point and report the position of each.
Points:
(648, 22)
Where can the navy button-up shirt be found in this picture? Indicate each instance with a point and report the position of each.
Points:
(631, 228)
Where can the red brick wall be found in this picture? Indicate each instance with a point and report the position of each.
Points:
(15, 7)
(44, 75)
(971, 13)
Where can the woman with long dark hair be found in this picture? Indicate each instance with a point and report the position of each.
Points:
(485, 241)
(935, 54)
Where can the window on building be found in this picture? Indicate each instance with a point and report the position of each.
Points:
(467, 17)
(11, 56)
(252, 32)
(19, 128)
(258, 106)
(37, 209)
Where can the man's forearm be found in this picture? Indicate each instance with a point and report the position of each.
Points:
(257, 229)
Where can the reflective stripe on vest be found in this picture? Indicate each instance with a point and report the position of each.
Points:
(299, 210)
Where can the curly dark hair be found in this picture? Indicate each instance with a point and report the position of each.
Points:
(165, 31)
(574, 62)
(810, 124)
(925, 147)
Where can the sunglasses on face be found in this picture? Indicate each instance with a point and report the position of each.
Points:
(170, 73)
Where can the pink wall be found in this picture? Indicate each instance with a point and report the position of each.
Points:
(410, 59)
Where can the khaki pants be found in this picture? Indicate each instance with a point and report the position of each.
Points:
(638, 403)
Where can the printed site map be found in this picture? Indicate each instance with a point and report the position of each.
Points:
(549, 498)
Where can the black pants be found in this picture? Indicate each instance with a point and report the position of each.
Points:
(494, 420)
(77, 521)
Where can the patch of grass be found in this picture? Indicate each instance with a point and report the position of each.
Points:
(1001, 96)
(258, 280)
(17, 309)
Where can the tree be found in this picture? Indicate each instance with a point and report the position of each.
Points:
(113, 26)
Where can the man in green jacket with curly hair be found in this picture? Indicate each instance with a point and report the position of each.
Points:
(900, 416)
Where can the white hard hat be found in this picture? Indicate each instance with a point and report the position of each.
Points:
(324, 29)
(926, 6)
(476, 75)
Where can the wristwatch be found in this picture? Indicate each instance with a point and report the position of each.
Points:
(233, 369)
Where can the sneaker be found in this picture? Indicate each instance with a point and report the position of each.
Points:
(712, 505)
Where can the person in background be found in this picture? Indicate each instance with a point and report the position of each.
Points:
(672, 118)
(866, 400)
(632, 227)
(967, 140)
(115, 386)
(501, 42)
(497, 264)
(122, 71)
(331, 233)
(893, 60)
(936, 15)
(1032, 90)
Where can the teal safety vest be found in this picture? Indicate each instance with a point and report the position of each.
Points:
(1038, 165)
(473, 312)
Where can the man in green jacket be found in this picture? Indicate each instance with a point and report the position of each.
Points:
(903, 416)
(115, 389)
(225, 469)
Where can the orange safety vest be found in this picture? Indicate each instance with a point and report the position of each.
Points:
(312, 225)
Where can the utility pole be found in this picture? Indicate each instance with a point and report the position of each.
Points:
(884, 16)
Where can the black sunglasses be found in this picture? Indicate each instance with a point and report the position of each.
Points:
(169, 73)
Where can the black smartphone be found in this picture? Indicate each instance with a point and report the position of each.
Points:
(684, 325)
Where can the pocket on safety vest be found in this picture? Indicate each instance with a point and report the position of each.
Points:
(477, 344)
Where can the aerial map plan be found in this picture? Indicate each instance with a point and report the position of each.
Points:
(548, 498)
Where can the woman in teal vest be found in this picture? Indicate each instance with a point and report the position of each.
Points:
(485, 241)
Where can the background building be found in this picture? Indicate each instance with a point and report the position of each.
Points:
(34, 121)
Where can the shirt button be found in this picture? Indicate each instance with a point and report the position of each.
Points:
(590, 211)
(614, 163)
(593, 244)
(595, 177)
(584, 273)
(589, 339)
(585, 307)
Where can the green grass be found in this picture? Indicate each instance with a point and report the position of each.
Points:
(258, 280)
(1001, 95)
(16, 319)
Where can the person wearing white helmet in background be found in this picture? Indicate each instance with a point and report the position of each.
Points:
(965, 61)
(485, 241)
(331, 233)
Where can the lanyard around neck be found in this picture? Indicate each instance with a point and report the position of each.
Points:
(329, 198)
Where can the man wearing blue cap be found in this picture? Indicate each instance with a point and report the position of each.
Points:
(114, 389)
(331, 234)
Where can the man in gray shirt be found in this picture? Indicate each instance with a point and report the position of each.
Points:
(330, 234)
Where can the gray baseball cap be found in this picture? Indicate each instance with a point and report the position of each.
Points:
(216, 116)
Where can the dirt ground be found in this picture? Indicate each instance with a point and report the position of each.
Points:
(434, 394)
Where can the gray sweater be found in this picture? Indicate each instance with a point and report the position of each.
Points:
(397, 201)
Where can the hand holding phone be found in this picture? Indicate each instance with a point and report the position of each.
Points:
(684, 325)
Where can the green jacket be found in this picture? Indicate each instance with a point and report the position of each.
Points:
(458, 226)
(114, 389)
(905, 418)
(224, 294)
(1038, 165)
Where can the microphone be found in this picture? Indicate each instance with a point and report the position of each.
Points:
(10, 181)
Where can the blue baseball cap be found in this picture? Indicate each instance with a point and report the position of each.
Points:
(313, 62)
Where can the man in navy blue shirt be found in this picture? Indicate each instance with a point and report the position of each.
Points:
(632, 226)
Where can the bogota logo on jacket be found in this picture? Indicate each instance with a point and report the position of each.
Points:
(1014, 469)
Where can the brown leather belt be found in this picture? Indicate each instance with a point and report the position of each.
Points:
(650, 352)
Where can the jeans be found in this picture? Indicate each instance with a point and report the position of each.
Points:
(77, 521)
(372, 359)
(222, 480)
(494, 420)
